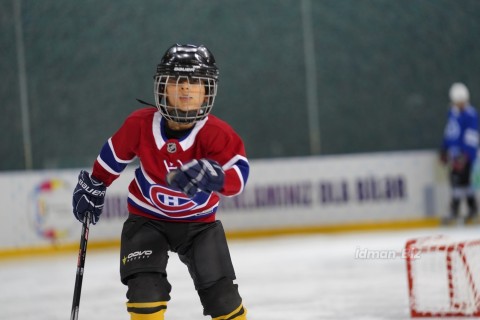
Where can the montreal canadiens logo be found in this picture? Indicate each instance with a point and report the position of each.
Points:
(170, 201)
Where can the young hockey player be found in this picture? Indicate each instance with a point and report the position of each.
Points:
(187, 158)
(459, 151)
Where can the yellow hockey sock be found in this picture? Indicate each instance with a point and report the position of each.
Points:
(239, 313)
(147, 310)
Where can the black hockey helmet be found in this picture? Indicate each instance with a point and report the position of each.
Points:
(181, 63)
(188, 60)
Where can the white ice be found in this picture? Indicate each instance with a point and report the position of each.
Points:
(296, 277)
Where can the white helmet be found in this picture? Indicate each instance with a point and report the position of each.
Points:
(459, 93)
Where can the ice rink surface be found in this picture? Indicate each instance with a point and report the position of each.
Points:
(296, 277)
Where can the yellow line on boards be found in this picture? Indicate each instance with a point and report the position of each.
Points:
(41, 251)
(340, 228)
(28, 252)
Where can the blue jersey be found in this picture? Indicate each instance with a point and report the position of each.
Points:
(461, 133)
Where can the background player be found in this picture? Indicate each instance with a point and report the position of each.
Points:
(187, 157)
(459, 151)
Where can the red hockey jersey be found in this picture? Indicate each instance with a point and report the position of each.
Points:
(143, 135)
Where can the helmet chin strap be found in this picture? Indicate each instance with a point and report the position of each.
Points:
(146, 103)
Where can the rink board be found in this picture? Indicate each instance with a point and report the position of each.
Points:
(312, 194)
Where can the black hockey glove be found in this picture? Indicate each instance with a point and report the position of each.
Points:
(197, 175)
(88, 196)
(443, 156)
(459, 163)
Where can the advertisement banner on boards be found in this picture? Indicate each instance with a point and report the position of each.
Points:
(280, 193)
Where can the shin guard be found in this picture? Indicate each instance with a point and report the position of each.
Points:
(147, 295)
(221, 299)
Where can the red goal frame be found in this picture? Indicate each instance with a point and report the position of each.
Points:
(415, 248)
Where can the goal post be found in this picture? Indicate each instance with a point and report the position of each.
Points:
(443, 277)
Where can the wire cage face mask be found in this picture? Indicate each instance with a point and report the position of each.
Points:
(184, 99)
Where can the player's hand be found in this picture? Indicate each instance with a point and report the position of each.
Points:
(197, 175)
(460, 162)
(443, 156)
(178, 180)
(88, 196)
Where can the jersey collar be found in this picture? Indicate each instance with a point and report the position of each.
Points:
(185, 142)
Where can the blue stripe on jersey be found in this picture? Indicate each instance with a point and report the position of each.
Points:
(108, 157)
(142, 182)
(244, 169)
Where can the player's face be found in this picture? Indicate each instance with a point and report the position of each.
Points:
(461, 104)
(185, 93)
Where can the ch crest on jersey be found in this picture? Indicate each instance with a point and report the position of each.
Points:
(172, 147)
(170, 201)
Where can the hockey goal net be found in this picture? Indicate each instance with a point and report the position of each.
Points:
(443, 277)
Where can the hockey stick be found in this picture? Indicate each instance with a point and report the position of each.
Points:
(82, 252)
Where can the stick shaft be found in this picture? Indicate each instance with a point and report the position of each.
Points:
(82, 252)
